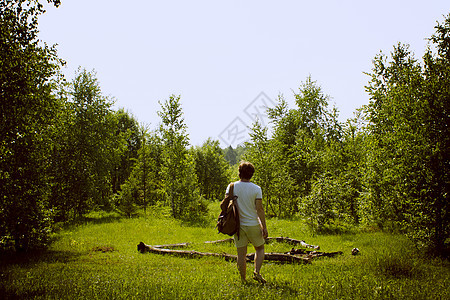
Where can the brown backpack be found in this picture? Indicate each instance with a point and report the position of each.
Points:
(228, 221)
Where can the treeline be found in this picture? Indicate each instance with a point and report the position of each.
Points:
(387, 168)
(65, 151)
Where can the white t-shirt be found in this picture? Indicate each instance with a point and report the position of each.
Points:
(247, 193)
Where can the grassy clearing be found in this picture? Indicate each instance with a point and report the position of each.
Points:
(98, 259)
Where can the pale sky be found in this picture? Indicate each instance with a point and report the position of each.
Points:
(227, 58)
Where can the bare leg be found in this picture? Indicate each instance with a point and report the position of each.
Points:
(259, 258)
(242, 262)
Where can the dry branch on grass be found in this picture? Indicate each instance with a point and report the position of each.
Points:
(293, 256)
(291, 242)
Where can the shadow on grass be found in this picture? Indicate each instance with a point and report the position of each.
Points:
(30, 259)
(27, 261)
(97, 218)
(93, 218)
(12, 294)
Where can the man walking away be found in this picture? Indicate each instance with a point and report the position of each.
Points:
(253, 227)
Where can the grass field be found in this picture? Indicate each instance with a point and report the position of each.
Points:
(98, 259)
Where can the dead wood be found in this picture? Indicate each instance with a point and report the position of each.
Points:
(270, 239)
(229, 240)
(143, 248)
(168, 246)
(292, 242)
(293, 256)
(313, 253)
(282, 257)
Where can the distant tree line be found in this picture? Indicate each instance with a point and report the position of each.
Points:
(64, 150)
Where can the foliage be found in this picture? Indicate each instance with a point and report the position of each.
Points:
(178, 167)
(144, 185)
(128, 141)
(233, 156)
(65, 151)
(409, 140)
(271, 174)
(212, 170)
(82, 147)
(304, 145)
(126, 200)
(26, 109)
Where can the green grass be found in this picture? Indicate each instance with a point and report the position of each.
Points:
(98, 259)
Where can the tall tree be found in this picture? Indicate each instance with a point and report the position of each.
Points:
(301, 141)
(178, 169)
(128, 139)
(27, 107)
(230, 155)
(260, 155)
(148, 169)
(409, 117)
(303, 132)
(84, 147)
(350, 164)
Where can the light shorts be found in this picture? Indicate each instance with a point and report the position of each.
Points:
(252, 234)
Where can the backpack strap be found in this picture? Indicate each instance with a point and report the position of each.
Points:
(231, 191)
(226, 200)
(233, 197)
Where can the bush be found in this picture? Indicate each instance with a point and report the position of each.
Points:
(125, 201)
(196, 211)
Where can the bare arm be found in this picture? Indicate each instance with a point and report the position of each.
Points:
(262, 217)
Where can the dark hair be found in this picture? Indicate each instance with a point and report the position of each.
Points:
(246, 170)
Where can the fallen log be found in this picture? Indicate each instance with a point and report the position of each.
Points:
(292, 242)
(293, 256)
(180, 245)
(282, 257)
(313, 253)
(143, 248)
(229, 240)
(270, 239)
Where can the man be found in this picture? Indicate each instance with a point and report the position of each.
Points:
(252, 219)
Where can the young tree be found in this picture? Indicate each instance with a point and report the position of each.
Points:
(128, 140)
(230, 155)
(280, 198)
(303, 133)
(303, 144)
(178, 169)
(351, 162)
(143, 187)
(84, 148)
(261, 157)
(212, 170)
